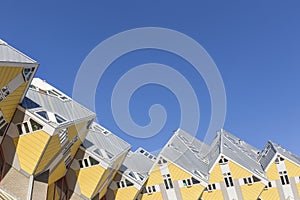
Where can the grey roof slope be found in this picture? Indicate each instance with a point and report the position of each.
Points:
(104, 144)
(187, 152)
(138, 162)
(11, 55)
(287, 154)
(237, 150)
(69, 109)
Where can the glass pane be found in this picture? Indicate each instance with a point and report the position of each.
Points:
(26, 127)
(35, 126)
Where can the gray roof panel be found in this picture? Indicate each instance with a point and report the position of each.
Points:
(104, 144)
(10, 54)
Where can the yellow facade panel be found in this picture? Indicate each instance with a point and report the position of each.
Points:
(8, 73)
(155, 195)
(30, 148)
(213, 195)
(272, 172)
(9, 105)
(52, 149)
(237, 171)
(292, 169)
(128, 193)
(270, 193)
(216, 175)
(155, 177)
(191, 193)
(58, 173)
(88, 179)
(253, 191)
(298, 188)
(177, 173)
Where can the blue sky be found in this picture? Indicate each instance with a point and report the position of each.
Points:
(255, 46)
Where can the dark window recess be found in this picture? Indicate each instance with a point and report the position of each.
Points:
(26, 127)
(255, 179)
(43, 114)
(80, 163)
(19, 126)
(128, 183)
(3, 129)
(166, 184)
(35, 126)
(195, 181)
(153, 188)
(93, 161)
(86, 162)
(59, 119)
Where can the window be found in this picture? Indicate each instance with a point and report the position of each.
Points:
(228, 180)
(86, 162)
(211, 187)
(27, 73)
(93, 161)
(124, 183)
(3, 124)
(43, 114)
(168, 181)
(63, 135)
(35, 126)
(223, 160)
(128, 183)
(142, 151)
(151, 189)
(278, 160)
(80, 163)
(19, 126)
(4, 92)
(26, 127)
(284, 178)
(248, 180)
(59, 119)
(187, 182)
(195, 181)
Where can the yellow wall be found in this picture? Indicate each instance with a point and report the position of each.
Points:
(9, 104)
(272, 172)
(237, 171)
(216, 175)
(52, 149)
(156, 196)
(292, 169)
(298, 188)
(214, 195)
(58, 173)
(270, 193)
(128, 193)
(88, 179)
(192, 193)
(177, 173)
(155, 177)
(253, 191)
(8, 73)
(29, 149)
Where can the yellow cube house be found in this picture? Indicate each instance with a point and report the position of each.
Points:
(283, 171)
(132, 176)
(42, 139)
(96, 163)
(234, 170)
(180, 172)
(16, 73)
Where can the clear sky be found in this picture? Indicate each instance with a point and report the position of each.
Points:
(255, 45)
